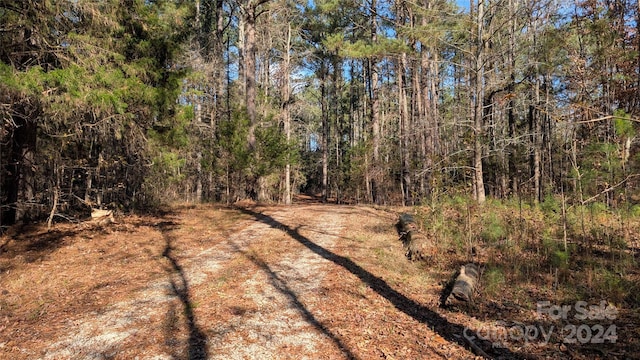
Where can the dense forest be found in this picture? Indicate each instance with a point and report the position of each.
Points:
(126, 104)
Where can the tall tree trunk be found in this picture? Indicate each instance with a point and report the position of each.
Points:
(219, 64)
(286, 115)
(250, 15)
(435, 100)
(536, 129)
(336, 111)
(537, 145)
(250, 72)
(511, 116)
(375, 110)
(404, 133)
(325, 132)
(429, 81)
(417, 109)
(428, 116)
(478, 126)
(376, 176)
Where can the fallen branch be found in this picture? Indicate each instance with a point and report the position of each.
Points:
(477, 349)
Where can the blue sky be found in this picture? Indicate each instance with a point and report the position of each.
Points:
(463, 4)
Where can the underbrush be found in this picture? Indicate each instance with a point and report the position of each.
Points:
(545, 251)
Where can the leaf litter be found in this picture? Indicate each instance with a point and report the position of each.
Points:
(307, 281)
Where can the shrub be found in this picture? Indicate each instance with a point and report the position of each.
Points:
(493, 229)
(495, 280)
(560, 259)
(611, 286)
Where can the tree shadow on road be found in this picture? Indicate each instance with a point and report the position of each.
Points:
(452, 332)
(197, 341)
(281, 285)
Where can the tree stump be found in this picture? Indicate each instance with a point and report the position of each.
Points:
(465, 283)
(416, 244)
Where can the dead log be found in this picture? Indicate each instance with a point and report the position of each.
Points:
(416, 245)
(465, 283)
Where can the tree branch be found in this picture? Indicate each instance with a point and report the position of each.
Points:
(610, 188)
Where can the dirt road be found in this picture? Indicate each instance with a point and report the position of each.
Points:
(199, 282)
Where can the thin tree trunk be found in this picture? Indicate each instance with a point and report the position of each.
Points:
(477, 114)
(56, 196)
(416, 115)
(426, 115)
(404, 134)
(87, 191)
(286, 98)
(375, 134)
(250, 73)
(511, 117)
(325, 133)
(537, 130)
(429, 75)
(375, 111)
(198, 198)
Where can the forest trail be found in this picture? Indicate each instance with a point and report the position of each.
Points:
(307, 281)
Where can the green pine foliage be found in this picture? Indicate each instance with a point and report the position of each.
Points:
(622, 124)
(235, 155)
(493, 229)
(103, 82)
(272, 152)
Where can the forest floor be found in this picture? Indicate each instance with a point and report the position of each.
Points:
(308, 281)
